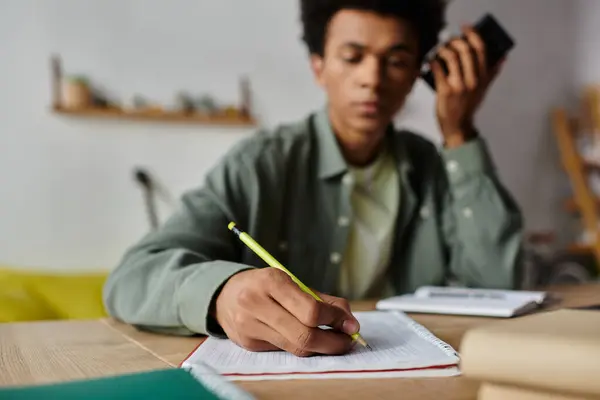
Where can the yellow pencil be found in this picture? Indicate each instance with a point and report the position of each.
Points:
(272, 262)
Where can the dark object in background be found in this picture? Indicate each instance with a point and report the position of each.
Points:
(544, 265)
(57, 77)
(144, 179)
(497, 41)
(101, 99)
(185, 103)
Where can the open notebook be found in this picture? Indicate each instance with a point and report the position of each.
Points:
(400, 348)
(466, 301)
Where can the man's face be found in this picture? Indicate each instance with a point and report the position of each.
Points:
(369, 67)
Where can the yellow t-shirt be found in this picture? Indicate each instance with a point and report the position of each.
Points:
(375, 199)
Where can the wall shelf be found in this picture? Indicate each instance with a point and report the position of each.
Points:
(158, 116)
(84, 104)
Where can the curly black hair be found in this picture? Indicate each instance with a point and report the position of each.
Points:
(426, 16)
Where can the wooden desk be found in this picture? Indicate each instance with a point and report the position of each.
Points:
(43, 352)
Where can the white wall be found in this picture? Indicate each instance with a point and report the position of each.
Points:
(67, 199)
(587, 45)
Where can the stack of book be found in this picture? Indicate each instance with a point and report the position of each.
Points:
(552, 355)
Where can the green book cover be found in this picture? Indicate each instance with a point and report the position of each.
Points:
(174, 383)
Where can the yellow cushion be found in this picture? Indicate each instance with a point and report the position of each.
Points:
(39, 295)
(18, 303)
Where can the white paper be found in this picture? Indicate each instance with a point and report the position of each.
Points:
(397, 343)
(483, 294)
(458, 306)
(465, 301)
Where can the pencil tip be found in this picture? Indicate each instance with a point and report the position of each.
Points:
(363, 342)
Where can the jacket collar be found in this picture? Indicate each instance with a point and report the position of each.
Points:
(331, 162)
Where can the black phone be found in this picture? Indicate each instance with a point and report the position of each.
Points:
(497, 42)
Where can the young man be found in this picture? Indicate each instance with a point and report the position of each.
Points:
(349, 205)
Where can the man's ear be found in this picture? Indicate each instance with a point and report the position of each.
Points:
(316, 65)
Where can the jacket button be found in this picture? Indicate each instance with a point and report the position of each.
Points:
(452, 166)
(343, 221)
(335, 258)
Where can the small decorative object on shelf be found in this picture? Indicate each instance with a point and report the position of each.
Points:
(77, 93)
(142, 106)
(231, 112)
(56, 70)
(75, 96)
(245, 95)
(185, 103)
(102, 100)
(139, 102)
(206, 105)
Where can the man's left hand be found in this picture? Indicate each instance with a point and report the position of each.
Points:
(461, 91)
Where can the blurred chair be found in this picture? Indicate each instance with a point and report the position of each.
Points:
(584, 202)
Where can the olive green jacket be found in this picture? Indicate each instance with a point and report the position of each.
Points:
(286, 188)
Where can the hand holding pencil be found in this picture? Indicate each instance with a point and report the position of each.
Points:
(268, 309)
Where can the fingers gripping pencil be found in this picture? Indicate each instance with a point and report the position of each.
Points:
(272, 262)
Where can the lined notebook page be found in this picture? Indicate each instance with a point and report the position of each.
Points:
(397, 343)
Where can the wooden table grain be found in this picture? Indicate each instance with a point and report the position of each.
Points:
(56, 351)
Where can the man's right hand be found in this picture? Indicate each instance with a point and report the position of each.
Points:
(264, 310)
